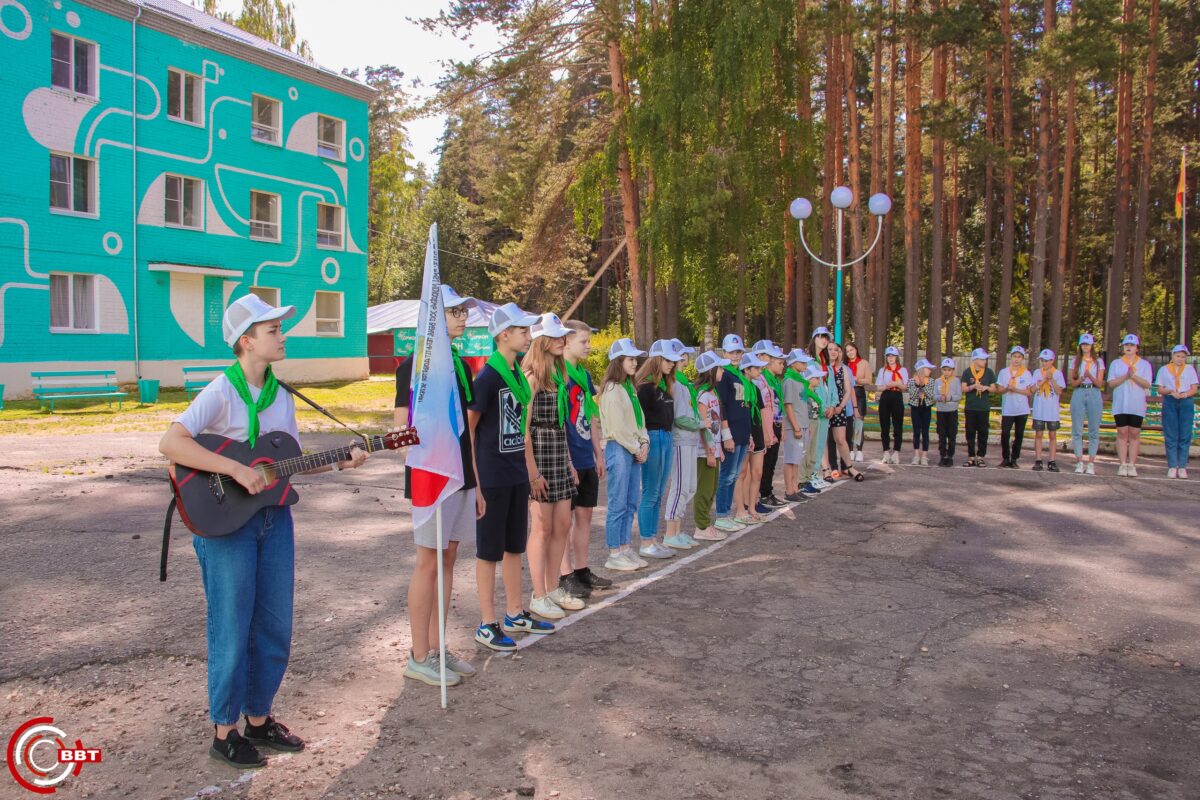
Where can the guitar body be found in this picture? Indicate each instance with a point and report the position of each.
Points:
(214, 505)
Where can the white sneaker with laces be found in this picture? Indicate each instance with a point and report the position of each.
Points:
(1091, 469)
(1121, 470)
(619, 563)
(679, 542)
(1131, 471)
(916, 462)
(635, 559)
(561, 599)
(1172, 472)
(656, 550)
(924, 460)
(545, 607)
(1079, 467)
(1183, 472)
(711, 534)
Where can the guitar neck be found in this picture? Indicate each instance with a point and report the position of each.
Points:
(312, 461)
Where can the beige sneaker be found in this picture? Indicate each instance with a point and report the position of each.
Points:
(924, 460)
(561, 599)
(546, 608)
(709, 534)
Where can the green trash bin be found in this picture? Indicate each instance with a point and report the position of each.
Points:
(148, 391)
(1, 396)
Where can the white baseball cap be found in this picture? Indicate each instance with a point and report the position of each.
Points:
(452, 299)
(623, 348)
(670, 349)
(892, 351)
(821, 331)
(1087, 338)
(709, 360)
(923, 363)
(508, 316)
(751, 360)
(1131, 338)
(691, 351)
(765, 347)
(1181, 348)
(979, 354)
(549, 325)
(1046, 355)
(247, 311)
(732, 343)
(814, 370)
(798, 356)
(1017, 349)
(948, 362)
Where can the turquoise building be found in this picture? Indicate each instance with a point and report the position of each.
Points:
(161, 164)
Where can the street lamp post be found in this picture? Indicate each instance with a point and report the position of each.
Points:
(841, 198)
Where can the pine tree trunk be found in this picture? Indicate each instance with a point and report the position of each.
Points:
(889, 228)
(858, 273)
(1124, 153)
(953, 226)
(830, 176)
(912, 181)
(1058, 295)
(630, 211)
(933, 347)
(1041, 222)
(803, 266)
(876, 259)
(1137, 265)
(989, 203)
(1008, 234)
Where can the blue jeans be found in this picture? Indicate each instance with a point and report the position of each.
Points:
(1177, 418)
(248, 578)
(1086, 405)
(731, 467)
(655, 473)
(624, 490)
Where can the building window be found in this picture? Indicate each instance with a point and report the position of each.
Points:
(329, 225)
(72, 302)
(330, 135)
(185, 97)
(264, 216)
(264, 123)
(183, 200)
(72, 183)
(73, 64)
(268, 294)
(329, 313)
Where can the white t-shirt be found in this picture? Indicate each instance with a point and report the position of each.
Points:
(1088, 374)
(1045, 407)
(885, 376)
(1129, 398)
(218, 409)
(1166, 381)
(1012, 404)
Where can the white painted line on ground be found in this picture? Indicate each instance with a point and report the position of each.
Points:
(676, 564)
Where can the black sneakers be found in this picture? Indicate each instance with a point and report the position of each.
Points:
(1052, 466)
(237, 752)
(573, 586)
(274, 735)
(1037, 465)
(593, 580)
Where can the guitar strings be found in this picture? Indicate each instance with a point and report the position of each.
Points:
(299, 460)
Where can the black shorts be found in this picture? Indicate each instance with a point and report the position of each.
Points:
(756, 438)
(1128, 420)
(504, 527)
(587, 494)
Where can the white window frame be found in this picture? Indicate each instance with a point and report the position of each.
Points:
(93, 188)
(94, 71)
(268, 294)
(329, 233)
(71, 276)
(277, 131)
(339, 148)
(278, 232)
(341, 318)
(174, 73)
(199, 199)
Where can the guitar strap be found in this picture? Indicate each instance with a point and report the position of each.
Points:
(166, 540)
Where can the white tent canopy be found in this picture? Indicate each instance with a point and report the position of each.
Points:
(403, 314)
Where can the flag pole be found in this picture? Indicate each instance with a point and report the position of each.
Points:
(441, 606)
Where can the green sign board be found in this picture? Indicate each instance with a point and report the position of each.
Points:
(474, 342)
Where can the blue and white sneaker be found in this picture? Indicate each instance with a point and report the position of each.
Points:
(490, 636)
(808, 488)
(525, 623)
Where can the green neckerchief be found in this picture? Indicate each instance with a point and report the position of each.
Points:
(460, 370)
(270, 388)
(580, 375)
(773, 381)
(816, 398)
(692, 390)
(749, 392)
(515, 382)
(791, 375)
(637, 405)
(560, 393)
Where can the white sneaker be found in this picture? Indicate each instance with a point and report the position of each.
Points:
(924, 460)
(545, 607)
(727, 525)
(1091, 469)
(896, 457)
(1121, 470)
(1131, 471)
(561, 599)
(1172, 472)
(656, 550)
(887, 457)
(916, 462)
(679, 542)
(619, 563)
(711, 534)
(1078, 467)
(632, 556)
(690, 539)
(1183, 473)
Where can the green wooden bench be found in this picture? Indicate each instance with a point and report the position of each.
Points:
(101, 384)
(196, 378)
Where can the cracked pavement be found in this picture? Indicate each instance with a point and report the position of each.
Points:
(930, 633)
